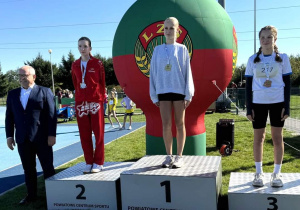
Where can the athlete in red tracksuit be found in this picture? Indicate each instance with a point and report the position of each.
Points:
(89, 82)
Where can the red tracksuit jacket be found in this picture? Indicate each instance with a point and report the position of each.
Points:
(94, 80)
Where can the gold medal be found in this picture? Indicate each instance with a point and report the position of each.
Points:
(168, 67)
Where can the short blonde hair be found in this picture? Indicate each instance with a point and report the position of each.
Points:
(174, 20)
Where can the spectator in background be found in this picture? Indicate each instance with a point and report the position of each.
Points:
(128, 104)
(112, 104)
(70, 94)
(105, 102)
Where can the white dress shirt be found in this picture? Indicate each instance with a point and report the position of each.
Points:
(25, 93)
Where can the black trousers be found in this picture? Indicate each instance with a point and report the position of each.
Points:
(28, 151)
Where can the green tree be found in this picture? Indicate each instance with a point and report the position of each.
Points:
(295, 64)
(110, 76)
(63, 77)
(12, 79)
(3, 83)
(43, 71)
(238, 75)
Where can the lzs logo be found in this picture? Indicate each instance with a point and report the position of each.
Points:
(152, 36)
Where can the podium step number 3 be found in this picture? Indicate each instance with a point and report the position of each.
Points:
(242, 195)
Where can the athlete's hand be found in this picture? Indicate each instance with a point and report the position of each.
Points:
(251, 117)
(283, 117)
(186, 104)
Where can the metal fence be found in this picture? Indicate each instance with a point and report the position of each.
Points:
(238, 96)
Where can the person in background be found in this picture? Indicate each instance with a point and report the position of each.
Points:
(128, 104)
(105, 102)
(70, 94)
(268, 93)
(31, 123)
(172, 87)
(89, 82)
(112, 104)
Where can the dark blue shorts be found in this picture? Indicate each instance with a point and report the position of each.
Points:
(171, 97)
(261, 112)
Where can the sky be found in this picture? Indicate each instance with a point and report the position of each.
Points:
(30, 27)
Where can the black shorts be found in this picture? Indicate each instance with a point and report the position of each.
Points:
(261, 112)
(171, 97)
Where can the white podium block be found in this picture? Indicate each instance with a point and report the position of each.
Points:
(146, 185)
(242, 195)
(71, 189)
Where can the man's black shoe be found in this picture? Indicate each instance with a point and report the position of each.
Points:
(27, 200)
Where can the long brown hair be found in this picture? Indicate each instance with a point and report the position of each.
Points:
(274, 33)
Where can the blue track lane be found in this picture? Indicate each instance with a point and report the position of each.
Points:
(67, 148)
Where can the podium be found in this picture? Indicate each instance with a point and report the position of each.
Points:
(242, 195)
(71, 189)
(146, 185)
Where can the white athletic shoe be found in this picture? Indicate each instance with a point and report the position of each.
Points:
(130, 127)
(276, 180)
(178, 162)
(96, 168)
(120, 126)
(258, 180)
(123, 128)
(167, 162)
(87, 169)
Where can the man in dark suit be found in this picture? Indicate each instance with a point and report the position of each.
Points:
(31, 119)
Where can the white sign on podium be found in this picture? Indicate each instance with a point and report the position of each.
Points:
(71, 189)
(242, 195)
(146, 185)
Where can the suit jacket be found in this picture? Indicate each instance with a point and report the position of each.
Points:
(37, 121)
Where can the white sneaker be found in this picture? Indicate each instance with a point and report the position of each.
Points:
(120, 126)
(87, 169)
(178, 162)
(258, 180)
(123, 128)
(167, 162)
(96, 168)
(276, 180)
(130, 127)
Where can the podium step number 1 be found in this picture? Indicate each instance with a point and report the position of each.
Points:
(146, 185)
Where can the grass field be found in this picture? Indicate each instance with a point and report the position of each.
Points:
(132, 147)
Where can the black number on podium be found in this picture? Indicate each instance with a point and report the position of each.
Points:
(81, 193)
(273, 203)
(167, 189)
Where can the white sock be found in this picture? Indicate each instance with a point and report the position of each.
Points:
(277, 168)
(258, 166)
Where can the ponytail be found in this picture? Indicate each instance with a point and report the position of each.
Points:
(277, 57)
(257, 59)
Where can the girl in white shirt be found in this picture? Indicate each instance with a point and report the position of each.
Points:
(268, 92)
(171, 87)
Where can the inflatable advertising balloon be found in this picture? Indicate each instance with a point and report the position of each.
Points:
(209, 35)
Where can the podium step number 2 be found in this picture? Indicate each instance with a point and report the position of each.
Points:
(71, 189)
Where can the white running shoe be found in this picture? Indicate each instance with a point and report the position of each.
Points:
(276, 180)
(120, 126)
(87, 169)
(167, 162)
(96, 168)
(130, 127)
(178, 162)
(258, 180)
(123, 128)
